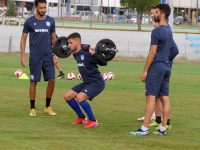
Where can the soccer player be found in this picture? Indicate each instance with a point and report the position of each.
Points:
(158, 106)
(156, 117)
(41, 30)
(93, 83)
(157, 70)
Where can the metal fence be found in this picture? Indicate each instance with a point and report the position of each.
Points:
(130, 44)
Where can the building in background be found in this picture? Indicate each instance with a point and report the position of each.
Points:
(3, 3)
(187, 9)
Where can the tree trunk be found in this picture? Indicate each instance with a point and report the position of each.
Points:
(139, 26)
(139, 22)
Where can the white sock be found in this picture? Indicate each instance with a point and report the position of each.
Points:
(162, 128)
(143, 128)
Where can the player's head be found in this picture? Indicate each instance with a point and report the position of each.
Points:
(74, 41)
(162, 12)
(152, 12)
(41, 7)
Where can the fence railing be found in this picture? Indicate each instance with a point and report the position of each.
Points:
(130, 44)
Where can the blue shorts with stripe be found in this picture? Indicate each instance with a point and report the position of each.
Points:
(41, 64)
(91, 89)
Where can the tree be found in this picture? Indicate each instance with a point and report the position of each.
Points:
(142, 6)
(11, 11)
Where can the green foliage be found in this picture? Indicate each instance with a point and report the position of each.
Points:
(11, 12)
(142, 6)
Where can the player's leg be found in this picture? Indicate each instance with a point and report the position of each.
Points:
(69, 97)
(58, 67)
(32, 95)
(150, 105)
(158, 113)
(82, 98)
(166, 109)
(35, 66)
(49, 75)
(158, 107)
(149, 110)
(89, 92)
(164, 97)
(49, 91)
(153, 82)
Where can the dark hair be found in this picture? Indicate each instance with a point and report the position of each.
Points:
(153, 7)
(40, 1)
(74, 35)
(164, 8)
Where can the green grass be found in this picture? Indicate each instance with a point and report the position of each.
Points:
(116, 108)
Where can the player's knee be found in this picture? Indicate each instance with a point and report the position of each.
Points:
(67, 97)
(33, 84)
(51, 81)
(80, 97)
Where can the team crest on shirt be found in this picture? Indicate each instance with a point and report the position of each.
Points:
(35, 24)
(82, 57)
(48, 23)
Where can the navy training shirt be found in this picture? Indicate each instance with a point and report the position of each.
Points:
(87, 66)
(162, 36)
(39, 35)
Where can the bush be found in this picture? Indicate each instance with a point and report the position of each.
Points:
(11, 9)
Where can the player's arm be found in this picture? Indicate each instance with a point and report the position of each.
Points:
(96, 59)
(173, 51)
(155, 37)
(54, 38)
(150, 58)
(22, 48)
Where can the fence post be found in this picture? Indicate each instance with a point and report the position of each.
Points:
(128, 50)
(186, 48)
(10, 44)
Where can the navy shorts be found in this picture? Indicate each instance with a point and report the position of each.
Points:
(44, 64)
(91, 89)
(157, 81)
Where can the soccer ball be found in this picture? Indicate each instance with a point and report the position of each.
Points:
(110, 76)
(18, 73)
(79, 77)
(71, 76)
(105, 76)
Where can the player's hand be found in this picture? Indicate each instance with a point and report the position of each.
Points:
(143, 76)
(92, 50)
(23, 61)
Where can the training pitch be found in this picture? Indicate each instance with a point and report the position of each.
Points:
(116, 108)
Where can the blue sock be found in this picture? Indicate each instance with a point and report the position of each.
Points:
(75, 106)
(86, 107)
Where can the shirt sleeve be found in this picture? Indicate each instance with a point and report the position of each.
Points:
(155, 37)
(26, 28)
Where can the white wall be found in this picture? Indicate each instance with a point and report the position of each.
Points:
(185, 3)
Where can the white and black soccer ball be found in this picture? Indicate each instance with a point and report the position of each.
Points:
(105, 76)
(18, 72)
(110, 75)
(79, 76)
(71, 76)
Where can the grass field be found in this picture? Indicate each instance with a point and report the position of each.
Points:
(117, 109)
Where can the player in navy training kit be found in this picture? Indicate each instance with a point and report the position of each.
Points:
(156, 117)
(157, 70)
(41, 29)
(93, 83)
